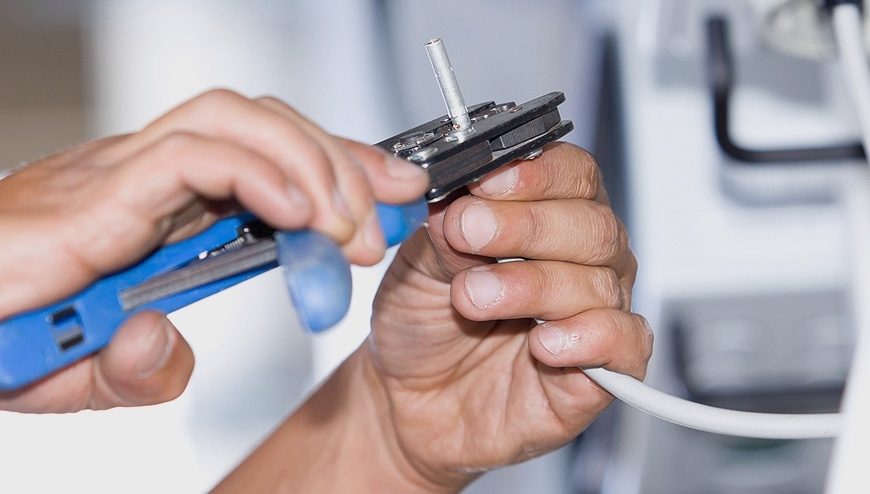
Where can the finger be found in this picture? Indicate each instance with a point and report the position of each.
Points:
(394, 180)
(166, 178)
(147, 362)
(563, 171)
(573, 230)
(550, 290)
(617, 340)
(427, 255)
(183, 166)
(227, 115)
(136, 209)
(199, 215)
(367, 245)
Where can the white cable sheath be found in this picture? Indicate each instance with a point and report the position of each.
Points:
(712, 419)
(847, 24)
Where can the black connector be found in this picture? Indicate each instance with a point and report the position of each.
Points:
(720, 71)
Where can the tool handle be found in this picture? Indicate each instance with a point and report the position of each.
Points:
(317, 274)
(36, 343)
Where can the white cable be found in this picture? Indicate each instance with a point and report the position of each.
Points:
(847, 24)
(712, 419)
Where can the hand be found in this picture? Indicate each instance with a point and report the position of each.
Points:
(471, 381)
(70, 218)
(457, 377)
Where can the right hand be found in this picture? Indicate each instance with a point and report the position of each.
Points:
(471, 380)
(457, 377)
(70, 218)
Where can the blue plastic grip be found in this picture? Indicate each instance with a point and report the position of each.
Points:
(317, 274)
(398, 222)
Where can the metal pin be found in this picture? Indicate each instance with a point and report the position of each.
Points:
(449, 87)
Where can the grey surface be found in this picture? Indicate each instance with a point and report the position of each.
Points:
(765, 342)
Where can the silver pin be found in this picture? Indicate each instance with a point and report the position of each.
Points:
(449, 86)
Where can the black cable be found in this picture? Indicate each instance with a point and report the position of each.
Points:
(720, 71)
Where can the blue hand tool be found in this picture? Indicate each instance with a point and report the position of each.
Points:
(36, 343)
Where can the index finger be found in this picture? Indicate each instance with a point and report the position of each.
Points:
(563, 171)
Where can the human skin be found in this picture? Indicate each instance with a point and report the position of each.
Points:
(85, 212)
(457, 376)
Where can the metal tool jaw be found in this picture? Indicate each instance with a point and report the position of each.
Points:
(501, 133)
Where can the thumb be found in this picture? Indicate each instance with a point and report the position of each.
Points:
(147, 362)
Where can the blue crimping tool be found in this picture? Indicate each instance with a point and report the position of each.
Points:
(36, 343)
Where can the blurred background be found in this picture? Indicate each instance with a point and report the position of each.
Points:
(745, 264)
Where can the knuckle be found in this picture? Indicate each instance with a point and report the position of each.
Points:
(611, 326)
(622, 247)
(308, 153)
(590, 177)
(647, 337)
(179, 139)
(609, 232)
(533, 230)
(543, 278)
(306, 149)
(588, 185)
(178, 144)
(582, 170)
(218, 97)
(625, 287)
(272, 100)
(606, 285)
(631, 267)
(279, 103)
(315, 154)
(210, 104)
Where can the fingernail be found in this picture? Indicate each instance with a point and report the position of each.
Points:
(373, 236)
(298, 200)
(483, 288)
(551, 338)
(478, 225)
(403, 169)
(157, 348)
(502, 182)
(340, 206)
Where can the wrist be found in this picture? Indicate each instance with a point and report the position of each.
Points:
(416, 469)
(387, 466)
(342, 439)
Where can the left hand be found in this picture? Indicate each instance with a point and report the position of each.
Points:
(73, 217)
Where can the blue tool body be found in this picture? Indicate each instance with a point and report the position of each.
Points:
(37, 343)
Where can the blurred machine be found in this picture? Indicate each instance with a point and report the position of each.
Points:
(746, 271)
